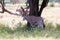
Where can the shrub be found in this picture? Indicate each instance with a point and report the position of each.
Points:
(52, 4)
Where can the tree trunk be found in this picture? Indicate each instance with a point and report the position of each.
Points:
(44, 4)
(2, 3)
(34, 7)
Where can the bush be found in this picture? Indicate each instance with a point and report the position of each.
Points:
(52, 4)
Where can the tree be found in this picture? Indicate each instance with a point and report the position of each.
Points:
(2, 3)
(44, 4)
(34, 8)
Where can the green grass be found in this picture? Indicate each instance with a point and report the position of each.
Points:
(5, 31)
(49, 31)
(23, 30)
